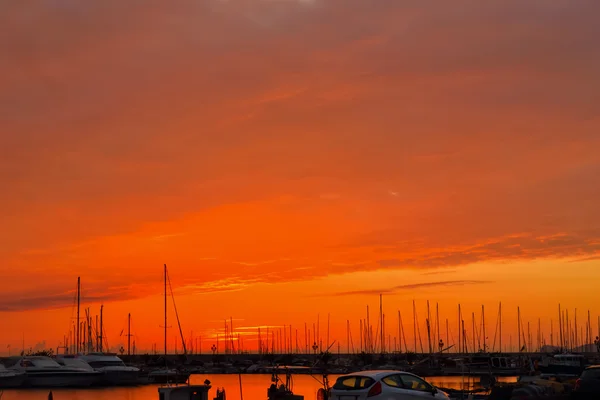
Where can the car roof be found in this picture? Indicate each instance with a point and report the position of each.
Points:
(377, 374)
(593, 367)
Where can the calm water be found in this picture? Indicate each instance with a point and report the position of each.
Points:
(254, 388)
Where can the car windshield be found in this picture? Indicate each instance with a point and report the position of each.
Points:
(593, 373)
(415, 383)
(353, 382)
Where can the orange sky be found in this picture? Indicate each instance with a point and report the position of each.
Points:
(295, 158)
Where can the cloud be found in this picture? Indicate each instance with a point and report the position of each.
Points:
(398, 289)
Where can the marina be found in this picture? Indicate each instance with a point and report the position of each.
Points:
(468, 358)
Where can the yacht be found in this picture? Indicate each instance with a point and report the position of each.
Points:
(45, 372)
(10, 378)
(113, 369)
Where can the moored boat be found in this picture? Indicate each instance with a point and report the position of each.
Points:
(43, 371)
(113, 369)
(10, 378)
(187, 392)
(168, 376)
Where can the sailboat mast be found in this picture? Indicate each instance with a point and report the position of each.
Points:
(483, 321)
(101, 327)
(428, 327)
(519, 326)
(78, 305)
(437, 323)
(415, 325)
(560, 328)
(500, 324)
(459, 330)
(129, 334)
(165, 279)
(382, 340)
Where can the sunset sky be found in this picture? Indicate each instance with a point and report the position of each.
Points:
(290, 159)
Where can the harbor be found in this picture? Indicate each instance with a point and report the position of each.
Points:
(83, 364)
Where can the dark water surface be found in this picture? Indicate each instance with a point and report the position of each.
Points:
(254, 388)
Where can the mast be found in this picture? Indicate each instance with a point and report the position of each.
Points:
(473, 327)
(500, 323)
(576, 337)
(589, 335)
(348, 335)
(381, 323)
(399, 333)
(78, 305)
(129, 334)
(483, 319)
(428, 327)
(328, 324)
(519, 326)
(459, 329)
(97, 347)
(560, 327)
(101, 327)
(437, 323)
(165, 279)
(447, 334)
(367, 333)
(415, 324)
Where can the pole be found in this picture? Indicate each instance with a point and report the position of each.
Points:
(129, 335)
(415, 325)
(473, 326)
(165, 278)
(459, 330)
(483, 319)
(428, 327)
(101, 337)
(437, 322)
(519, 326)
(500, 323)
(560, 327)
(78, 305)
(381, 323)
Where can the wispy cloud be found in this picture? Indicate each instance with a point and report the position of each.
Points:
(400, 288)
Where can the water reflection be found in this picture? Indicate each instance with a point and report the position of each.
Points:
(254, 388)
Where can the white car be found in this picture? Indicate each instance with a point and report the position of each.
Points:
(384, 385)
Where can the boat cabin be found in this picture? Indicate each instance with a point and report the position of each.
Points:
(187, 392)
(574, 360)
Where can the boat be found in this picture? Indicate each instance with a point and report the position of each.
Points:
(563, 364)
(113, 369)
(187, 392)
(282, 390)
(168, 376)
(10, 378)
(43, 371)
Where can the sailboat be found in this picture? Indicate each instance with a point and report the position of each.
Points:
(167, 375)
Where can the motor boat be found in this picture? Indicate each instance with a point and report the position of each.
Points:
(43, 371)
(167, 376)
(113, 369)
(10, 378)
(188, 392)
